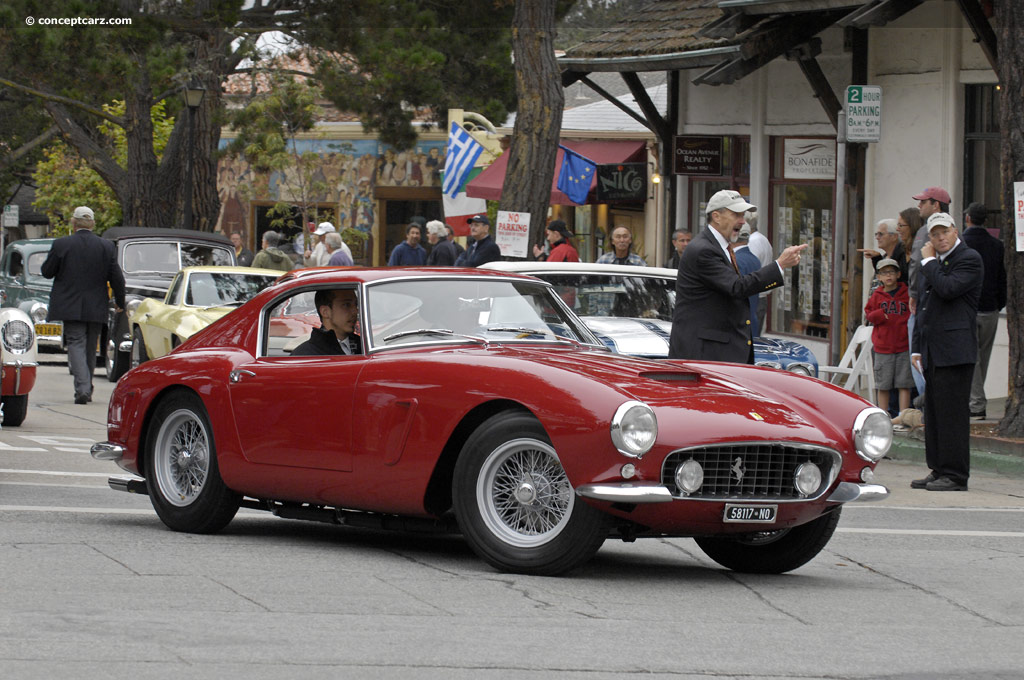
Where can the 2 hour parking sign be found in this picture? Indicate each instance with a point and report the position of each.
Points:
(863, 113)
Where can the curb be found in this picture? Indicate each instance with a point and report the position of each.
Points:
(987, 455)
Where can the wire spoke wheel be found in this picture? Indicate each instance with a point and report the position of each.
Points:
(182, 458)
(523, 493)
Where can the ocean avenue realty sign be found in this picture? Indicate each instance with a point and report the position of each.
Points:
(809, 159)
(696, 155)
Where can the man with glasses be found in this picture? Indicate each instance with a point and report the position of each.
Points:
(887, 236)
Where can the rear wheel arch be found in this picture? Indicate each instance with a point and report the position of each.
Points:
(147, 421)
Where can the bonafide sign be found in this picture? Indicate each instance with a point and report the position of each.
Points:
(809, 159)
(512, 233)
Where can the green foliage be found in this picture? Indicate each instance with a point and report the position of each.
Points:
(64, 180)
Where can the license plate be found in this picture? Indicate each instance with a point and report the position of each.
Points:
(48, 329)
(750, 513)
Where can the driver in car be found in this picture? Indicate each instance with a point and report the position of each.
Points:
(339, 312)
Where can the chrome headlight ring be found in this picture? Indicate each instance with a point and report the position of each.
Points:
(38, 312)
(634, 429)
(872, 434)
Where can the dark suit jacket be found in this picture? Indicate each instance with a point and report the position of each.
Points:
(81, 265)
(993, 290)
(711, 319)
(323, 343)
(946, 329)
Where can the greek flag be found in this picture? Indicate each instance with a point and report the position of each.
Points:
(459, 159)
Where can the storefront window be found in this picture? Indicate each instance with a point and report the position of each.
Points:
(735, 175)
(803, 214)
(982, 181)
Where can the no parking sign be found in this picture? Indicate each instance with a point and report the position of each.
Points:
(512, 233)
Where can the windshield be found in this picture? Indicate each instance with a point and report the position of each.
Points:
(164, 256)
(634, 296)
(483, 310)
(215, 289)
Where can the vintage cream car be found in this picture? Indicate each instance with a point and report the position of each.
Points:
(198, 296)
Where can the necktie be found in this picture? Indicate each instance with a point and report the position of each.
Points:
(732, 256)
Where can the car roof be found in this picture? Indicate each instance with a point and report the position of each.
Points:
(532, 267)
(118, 233)
(30, 242)
(371, 274)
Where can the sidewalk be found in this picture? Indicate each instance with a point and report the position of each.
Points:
(988, 454)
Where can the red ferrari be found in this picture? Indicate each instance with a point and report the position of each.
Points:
(476, 402)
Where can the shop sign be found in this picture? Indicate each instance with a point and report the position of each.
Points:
(512, 233)
(696, 155)
(10, 218)
(809, 159)
(1018, 214)
(621, 182)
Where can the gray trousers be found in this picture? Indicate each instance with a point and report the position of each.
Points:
(987, 324)
(82, 337)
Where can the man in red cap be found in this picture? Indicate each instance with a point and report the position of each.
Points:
(930, 201)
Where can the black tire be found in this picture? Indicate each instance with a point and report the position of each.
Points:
(117, 362)
(139, 353)
(15, 409)
(182, 476)
(546, 531)
(773, 552)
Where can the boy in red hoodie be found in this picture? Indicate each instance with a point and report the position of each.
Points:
(887, 310)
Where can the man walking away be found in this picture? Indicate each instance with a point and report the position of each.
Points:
(271, 257)
(81, 265)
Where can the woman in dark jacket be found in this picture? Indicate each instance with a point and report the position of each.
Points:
(562, 249)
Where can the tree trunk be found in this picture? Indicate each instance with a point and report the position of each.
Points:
(1010, 30)
(531, 162)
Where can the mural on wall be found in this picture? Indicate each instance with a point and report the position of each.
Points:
(349, 171)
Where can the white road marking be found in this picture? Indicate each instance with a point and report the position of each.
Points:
(931, 532)
(54, 473)
(89, 511)
(8, 447)
(850, 506)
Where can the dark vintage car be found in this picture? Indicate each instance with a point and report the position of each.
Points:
(480, 403)
(630, 309)
(23, 286)
(150, 259)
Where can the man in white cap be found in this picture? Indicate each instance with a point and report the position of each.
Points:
(319, 256)
(711, 319)
(81, 265)
(944, 348)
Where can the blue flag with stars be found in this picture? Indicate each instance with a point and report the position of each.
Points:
(575, 176)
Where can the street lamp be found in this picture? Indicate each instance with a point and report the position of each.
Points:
(193, 98)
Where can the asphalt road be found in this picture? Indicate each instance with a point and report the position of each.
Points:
(92, 585)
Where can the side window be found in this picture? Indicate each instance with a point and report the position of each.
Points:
(15, 264)
(289, 323)
(174, 292)
(194, 254)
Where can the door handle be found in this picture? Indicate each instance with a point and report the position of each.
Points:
(235, 376)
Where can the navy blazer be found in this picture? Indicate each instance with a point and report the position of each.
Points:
(946, 329)
(711, 319)
(81, 265)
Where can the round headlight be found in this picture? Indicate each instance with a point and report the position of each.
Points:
(807, 478)
(768, 364)
(689, 476)
(872, 434)
(38, 312)
(17, 336)
(131, 305)
(800, 369)
(634, 429)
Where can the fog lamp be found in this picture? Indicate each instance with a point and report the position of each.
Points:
(628, 471)
(807, 479)
(689, 476)
(867, 475)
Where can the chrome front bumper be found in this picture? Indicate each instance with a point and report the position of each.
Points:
(629, 492)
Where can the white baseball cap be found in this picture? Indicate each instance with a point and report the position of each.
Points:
(727, 199)
(940, 220)
(324, 228)
(83, 213)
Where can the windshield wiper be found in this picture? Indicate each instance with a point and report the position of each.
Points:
(517, 329)
(432, 331)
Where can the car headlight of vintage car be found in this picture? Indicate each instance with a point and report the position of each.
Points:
(17, 336)
(131, 304)
(800, 368)
(634, 429)
(38, 312)
(872, 434)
